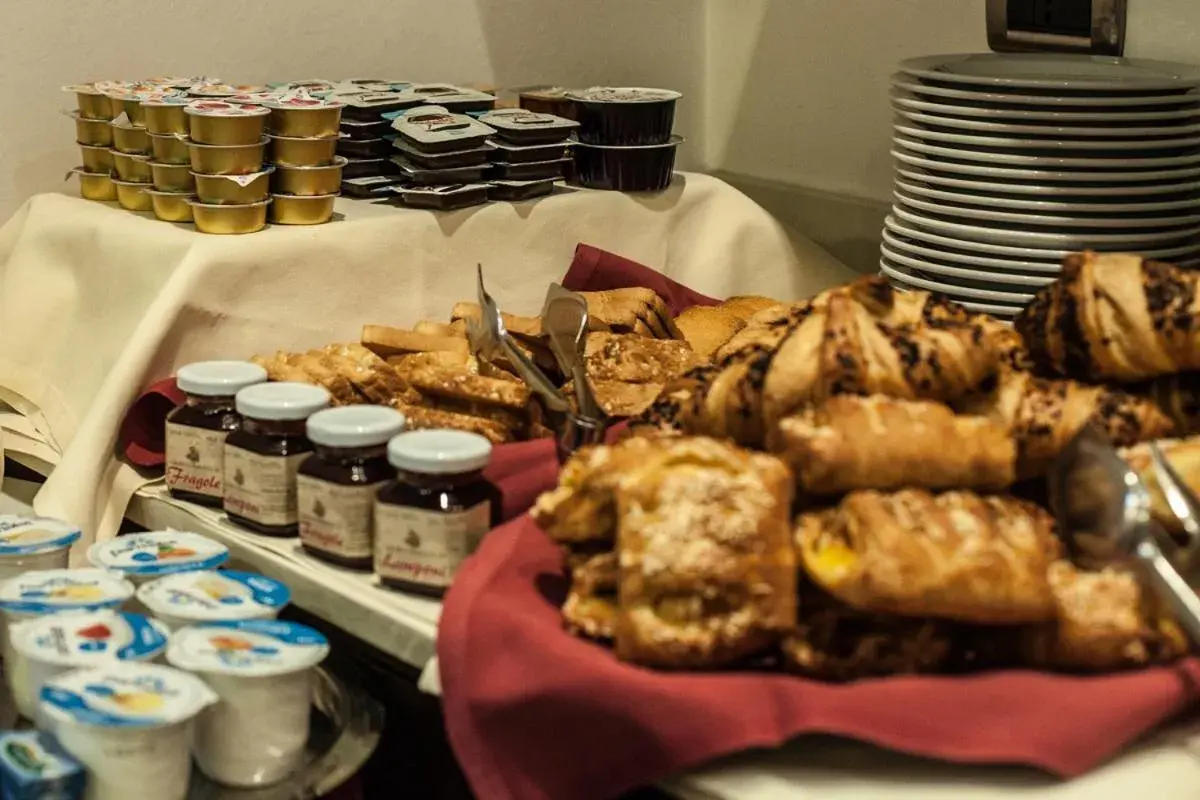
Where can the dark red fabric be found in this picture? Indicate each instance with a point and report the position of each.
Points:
(142, 430)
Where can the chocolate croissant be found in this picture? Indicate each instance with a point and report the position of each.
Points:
(1114, 317)
(1044, 415)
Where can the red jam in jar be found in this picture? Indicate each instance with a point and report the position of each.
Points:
(262, 459)
(337, 484)
(196, 431)
(437, 510)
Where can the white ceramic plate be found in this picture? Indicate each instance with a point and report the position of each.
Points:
(1004, 313)
(1017, 174)
(967, 276)
(919, 245)
(1151, 136)
(1054, 72)
(1048, 221)
(986, 198)
(899, 273)
(909, 170)
(1079, 116)
(1049, 257)
(1008, 143)
(1080, 240)
(989, 98)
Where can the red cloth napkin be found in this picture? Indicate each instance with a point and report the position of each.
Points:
(142, 431)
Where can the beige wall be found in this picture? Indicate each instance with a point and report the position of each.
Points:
(48, 43)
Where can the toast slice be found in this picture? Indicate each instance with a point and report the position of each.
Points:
(421, 417)
(385, 341)
(706, 328)
(460, 384)
(636, 359)
(620, 399)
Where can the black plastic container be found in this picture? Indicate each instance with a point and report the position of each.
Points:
(369, 186)
(645, 168)
(363, 167)
(364, 148)
(513, 191)
(444, 198)
(509, 153)
(365, 129)
(625, 117)
(451, 160)
(530, 171)
(438, 177)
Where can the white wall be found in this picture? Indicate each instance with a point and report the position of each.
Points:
(49, 43)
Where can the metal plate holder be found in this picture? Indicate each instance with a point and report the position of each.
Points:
(1107, 36)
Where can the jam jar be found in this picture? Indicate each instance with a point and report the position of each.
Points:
(196, 431)
(437, 510)
(261, 460)
(337, 484)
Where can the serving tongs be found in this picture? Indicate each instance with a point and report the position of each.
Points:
(1104, 511)
(489, 338)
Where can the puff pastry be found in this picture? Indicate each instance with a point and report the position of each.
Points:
(591, 606)
(707, 570)
(876, 442)
(1104, 621)
(955, 555)
(1114, 317)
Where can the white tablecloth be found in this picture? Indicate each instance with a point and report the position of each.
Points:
(96, 302)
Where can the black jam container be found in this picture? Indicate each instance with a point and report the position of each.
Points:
(359, 129)
(513, 191)
(625, 117)
(646, 168)
(364, 148)
(509, 153)
(366, 167)
(444, 198)
(530, 171)
(369, 185)
(438, 177)
(449, 160)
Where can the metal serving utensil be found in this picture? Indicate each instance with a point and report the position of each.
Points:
(565, 324)
(1103, 507)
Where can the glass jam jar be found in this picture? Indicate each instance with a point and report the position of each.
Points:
(261, 460)
(337, 484)
(196, 431)
(437, 510)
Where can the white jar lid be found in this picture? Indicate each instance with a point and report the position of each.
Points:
(125, 694)
(258, 648)
(219, 378)
(439, 452)
(354, 426)
(282, 401)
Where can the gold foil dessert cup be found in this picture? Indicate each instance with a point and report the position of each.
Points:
(96, 185)
(219, 122)
(165, 118)
(175, 178)
(132, 196)
(287, 209)
(96, 159)
(171, 206)
(310, 181)
(93, 132)
(243, 159)
(303, 151)
(230, 219)
(234, 189)
(129, 139)
(132, 167)
(169, 149)
(90, 101)
(318, 120)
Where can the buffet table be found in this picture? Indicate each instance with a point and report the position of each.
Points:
(99, 302)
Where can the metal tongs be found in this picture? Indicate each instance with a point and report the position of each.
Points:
(1104, 510)
(565, 323)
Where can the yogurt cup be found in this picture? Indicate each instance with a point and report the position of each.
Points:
(190, 598)
(128, 724)
(262, 670)
(143, 557)
(34, 543)
(51, 645)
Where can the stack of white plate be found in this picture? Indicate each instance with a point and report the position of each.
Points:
(1005, 163)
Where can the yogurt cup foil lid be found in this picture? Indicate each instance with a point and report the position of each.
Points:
(125, 695)
(245, 180)
(181, 83)
(624, 94)
(253, 648)
(301, 100)
(89, 638)
(26, 535)
(212, 89)
(210, 595)
(224, 108)
(312, 86)
(52, 590)
(158, 553)
(178, 99)
(83, 88)
(251, 98)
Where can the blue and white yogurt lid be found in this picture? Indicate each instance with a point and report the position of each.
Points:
(51, 590)
(158, 553)
(89, 637)
(254, 648)
(125, 695)
(209, 596)
(20, 536)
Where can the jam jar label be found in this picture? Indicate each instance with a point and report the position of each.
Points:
(336, 519)
(195, 459)
(261, 488)
(419, 546)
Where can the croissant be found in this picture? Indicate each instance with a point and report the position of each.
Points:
(1179, 398)
(1044, 415)
(1113, 317)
